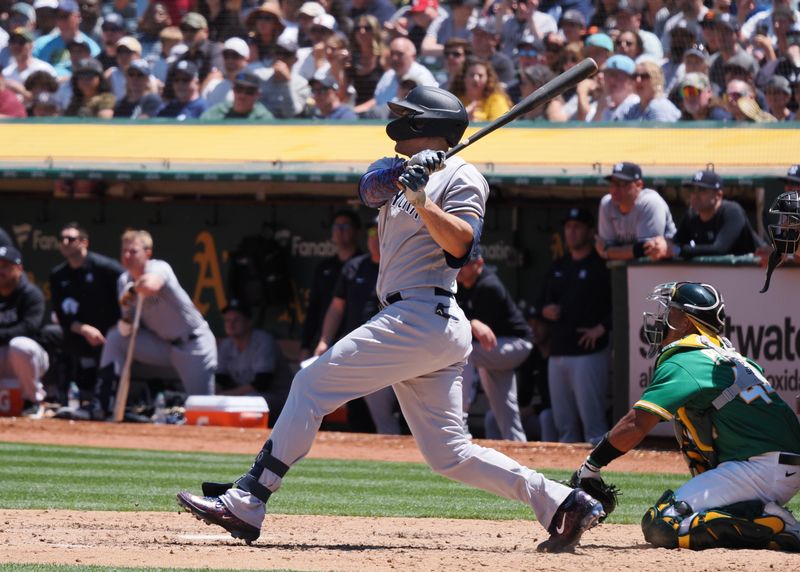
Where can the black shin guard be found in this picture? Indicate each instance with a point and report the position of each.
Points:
(249, 481)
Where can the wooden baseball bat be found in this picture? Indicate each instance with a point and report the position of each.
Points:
(125, 376)
(548, 91)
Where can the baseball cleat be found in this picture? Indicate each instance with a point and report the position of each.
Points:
(578, 513)
(212, 510)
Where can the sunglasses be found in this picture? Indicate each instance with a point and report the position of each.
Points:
(245, 90)
(530, 53)
(188, 30)
(690, 91)
(68, 239)
(641, 76)
(734, 95)
(454, 54)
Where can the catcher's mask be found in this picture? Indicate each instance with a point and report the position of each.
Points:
(701, 303)
(785, 234)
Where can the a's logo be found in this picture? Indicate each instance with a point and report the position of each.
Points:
(89, 278)
(209, 276)
(22, 232)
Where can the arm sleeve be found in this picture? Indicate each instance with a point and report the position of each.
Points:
(379, 183)
(734, 222)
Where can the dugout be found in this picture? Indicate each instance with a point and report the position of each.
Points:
(199, 187)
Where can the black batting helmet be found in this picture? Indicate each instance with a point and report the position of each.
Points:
(428, 112)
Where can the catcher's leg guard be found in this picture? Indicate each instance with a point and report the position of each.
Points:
(661, 522)
(787, 531)
(249, 481)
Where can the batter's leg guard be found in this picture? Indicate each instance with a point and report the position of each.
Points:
(249, 481)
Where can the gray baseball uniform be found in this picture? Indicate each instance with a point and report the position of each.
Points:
(172, 332)
(649, 218)
(418, 344)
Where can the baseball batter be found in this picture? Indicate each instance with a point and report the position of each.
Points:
(430, 217)
(172, 333)
(741, 441)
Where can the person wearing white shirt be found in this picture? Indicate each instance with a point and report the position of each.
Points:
(23, 64)
(235, 53)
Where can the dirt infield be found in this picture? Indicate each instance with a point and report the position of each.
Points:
(331, 543)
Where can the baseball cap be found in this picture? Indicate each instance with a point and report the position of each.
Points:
(779, 83)
(268, 7)
(140, 65)
(697, 80)
(311, 9)
(621, 63)
(236, 305)
(625, 171)
(697, 50)
(726, 20)
(246, 79)
(599, 40)
(743, 61)
(113, 22)
(324, 21)
(23, 33)
(69, 6)
(131, 44)
(88, 65)
(195, 21)
(422, 5)
(237, 45)
(487, 25)
(579, 214)
(630, 6)
(46, 99)
(572, 16)
(45, 4)
(10, 254)
(185, 67)
(792, 175)
(287, 42)
(414, 75)
(707, 179)
(25, 9)
(325, 80)
(78, 41)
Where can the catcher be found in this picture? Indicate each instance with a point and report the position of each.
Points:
(785, 235)
(740, 439)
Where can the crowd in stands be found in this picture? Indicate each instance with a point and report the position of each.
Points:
(660, 60)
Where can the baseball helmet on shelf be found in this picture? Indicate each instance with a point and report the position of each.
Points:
(700, 302)
(785, 235)
(428, 112)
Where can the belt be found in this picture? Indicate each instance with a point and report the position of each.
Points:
(788, 459)
(181, 341)
(396, 297)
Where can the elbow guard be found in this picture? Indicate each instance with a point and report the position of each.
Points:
(477, 229)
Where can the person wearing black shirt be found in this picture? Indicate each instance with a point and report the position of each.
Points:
(713, 226)
(84, 297)
(21, 316)
(500, 343)
(5, 239)
(354, 302)
(576, 298)
(344, 235)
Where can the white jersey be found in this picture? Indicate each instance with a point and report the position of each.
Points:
(410, 258)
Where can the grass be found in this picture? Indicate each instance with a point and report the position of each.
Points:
(83, 478)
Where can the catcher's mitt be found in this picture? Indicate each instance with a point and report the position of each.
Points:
(598, 489)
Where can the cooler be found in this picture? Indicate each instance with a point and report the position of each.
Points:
(227, 410)
(10, 398)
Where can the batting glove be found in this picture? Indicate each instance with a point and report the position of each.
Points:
(430, 160)
(414, 180)
(588, 471)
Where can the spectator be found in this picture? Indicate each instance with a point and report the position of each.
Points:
(337, 52)
(203, 53)
(402, 60)
(21, 356)
(41, 82)
(531, 79)
(381, 10)
(18, 19)
(729, 48)
(171, 333)
(501, 341)
(170, 38)
(485, 41)
(235, 53)
(735, 90)
(713, 226)
(46, 16)
(630, 215)
(553, 49)
(20, 45)
(763, 21)
(778, 93)
(250, 361)
(354, 302)
(45, 105)
(52, 48)
(456, 51)
(691, 14)
(326, 100)
(223, 17)
(682, 39)
(128, 49)
(456, 24)
(154, 20)
(656, 14)
(266, 25)
(480, 91)
(284, 92)
(424, 18)
(572, 25)
(91, 95)
(599, 47)
(305, 19)
(525, 19)
(90, 18)
(83, 292)
(698, 102)
(78, 51)
(344, 235)
(618, 90)
(629, 44)
(245, 104)
(653, 105)
(628, 17)
(187, 103)
(695, 60)
(139, 101)
(112, 30)
(312, 60)
(576, 298)
(366, 66)
(126, 9)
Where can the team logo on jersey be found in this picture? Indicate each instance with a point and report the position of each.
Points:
(70, 306)
(89, 278)
(401, 202)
